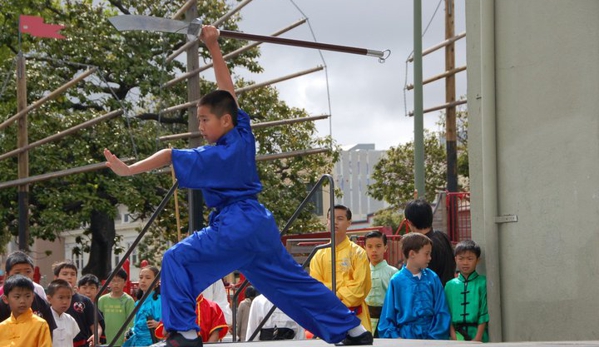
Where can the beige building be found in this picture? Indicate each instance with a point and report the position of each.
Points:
(533, 102)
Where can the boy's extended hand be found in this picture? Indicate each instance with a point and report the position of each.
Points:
(115, 164)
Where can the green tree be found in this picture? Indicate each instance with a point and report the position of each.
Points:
(131, 71)
(393, 175)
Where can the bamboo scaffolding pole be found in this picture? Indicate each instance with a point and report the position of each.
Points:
(440, 45)
(218, 22)
(48, 97)
(184, 8)
(61, 134)
(231, 55)
(439, 76)
(267, 157)
(276, 80)
(254, 126)
(244, 89)
(102, 165)
(291, 154)
(56, 174)
(440, 107)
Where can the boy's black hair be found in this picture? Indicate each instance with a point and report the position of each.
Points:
(221, 102)
(16, 258)
(376, 234)
(55, 285)
(65, 264)
(17, 281)
(251, 292)
(89, 279)
(342, 207)
(120, 273)
(467, 246)
(420, 213)
(413, 242)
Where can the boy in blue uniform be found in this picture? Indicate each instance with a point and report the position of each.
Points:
(415, 305)
(242, 233)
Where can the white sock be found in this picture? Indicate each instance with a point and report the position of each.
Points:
(189, 334)
(357, 331)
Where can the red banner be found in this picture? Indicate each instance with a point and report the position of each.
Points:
(35, 26)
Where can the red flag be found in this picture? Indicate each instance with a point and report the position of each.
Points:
(35, 26)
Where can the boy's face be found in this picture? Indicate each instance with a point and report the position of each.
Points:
(421, 258)
(117, 285)
(89, 290)
(19, 300)
(341, 222)
(69, 275)
(22, 269)
(375, 249)
(61, 300)
(212, 127)
(466, 262)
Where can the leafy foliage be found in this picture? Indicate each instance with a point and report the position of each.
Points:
(394, 174)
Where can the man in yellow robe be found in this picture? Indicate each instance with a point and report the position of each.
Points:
(352, 267)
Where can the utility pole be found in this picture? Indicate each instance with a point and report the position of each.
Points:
(196, 200)
(23, 158)
(450, 116)
(418, 103)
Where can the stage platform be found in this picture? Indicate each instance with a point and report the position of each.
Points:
(404, 343)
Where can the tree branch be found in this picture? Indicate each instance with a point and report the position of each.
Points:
(119, 4)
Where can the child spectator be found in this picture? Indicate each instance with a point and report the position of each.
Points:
(150, 312)
(415, 305)
(419, 215)
(59, 294)
(352, 269)
(467, 296)
(277, 327)
(375, 244)
(116, 306)
(243, 312)
(210, 318)
(81, 307)
(22, 328)
(88, 285)
(19, 263)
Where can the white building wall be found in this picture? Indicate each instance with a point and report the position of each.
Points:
(546, 125)
(352, 174)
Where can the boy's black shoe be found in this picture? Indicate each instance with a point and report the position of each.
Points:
(177, 340)
(362, 340)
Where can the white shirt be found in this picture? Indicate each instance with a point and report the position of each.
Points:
(66, 330)
(259, 309)
(217, 293)
(39, 290)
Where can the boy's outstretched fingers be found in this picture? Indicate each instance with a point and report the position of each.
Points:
(116, 164)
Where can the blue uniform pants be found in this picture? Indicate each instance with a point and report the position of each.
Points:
(244, 236)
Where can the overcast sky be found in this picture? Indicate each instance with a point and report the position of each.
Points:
(366, 97)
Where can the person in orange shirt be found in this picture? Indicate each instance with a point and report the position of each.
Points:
(23, 328)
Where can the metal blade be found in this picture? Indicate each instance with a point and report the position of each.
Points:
(136, 22)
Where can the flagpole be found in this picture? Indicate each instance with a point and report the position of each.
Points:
(23, 157)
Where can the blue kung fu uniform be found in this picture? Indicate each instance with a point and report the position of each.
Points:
(242, 234)
(150, 308)
(415, 308)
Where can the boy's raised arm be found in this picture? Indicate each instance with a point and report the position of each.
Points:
(155, 161)
(224, 81)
